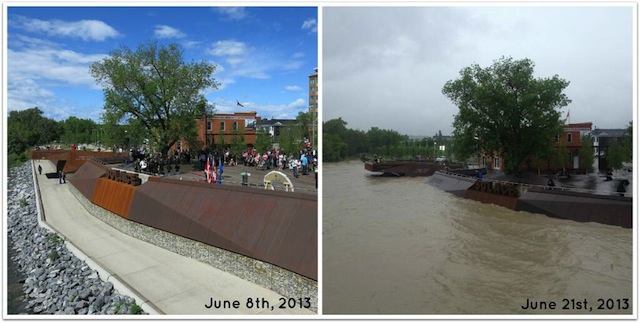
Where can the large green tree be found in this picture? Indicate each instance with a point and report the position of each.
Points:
(27, 128)
(585, 154)
(156, 87)
(333, 146)
(503, 108)
(78, 131)
(616, 155)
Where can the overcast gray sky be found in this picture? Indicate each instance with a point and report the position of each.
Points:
(385, 66)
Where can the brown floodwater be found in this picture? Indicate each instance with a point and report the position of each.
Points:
(400, 246)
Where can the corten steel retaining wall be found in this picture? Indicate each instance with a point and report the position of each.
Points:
(576, 206)
(279, 228)
(74, 158)
(275, 227)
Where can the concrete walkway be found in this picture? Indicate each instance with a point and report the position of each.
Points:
(161, 281)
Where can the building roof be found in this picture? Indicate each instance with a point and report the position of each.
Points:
(616, 133)
(583, 126)
(272, 122)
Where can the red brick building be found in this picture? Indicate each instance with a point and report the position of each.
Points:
(222, 128)
(571, 139)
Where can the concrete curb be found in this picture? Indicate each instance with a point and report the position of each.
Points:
(105, 275)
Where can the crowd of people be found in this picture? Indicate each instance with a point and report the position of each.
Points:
(301, 162)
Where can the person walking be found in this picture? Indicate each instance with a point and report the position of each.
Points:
(40, 169)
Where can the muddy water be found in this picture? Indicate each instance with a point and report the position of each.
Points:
(400, 246)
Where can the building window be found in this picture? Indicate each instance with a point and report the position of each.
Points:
(496, 162)
(569, 138)
(179, 144)
(208, 125)
(557, 138)
(221, 125)
(484, 161)
(235, 126)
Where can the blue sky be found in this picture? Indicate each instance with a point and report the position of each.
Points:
(263, 55)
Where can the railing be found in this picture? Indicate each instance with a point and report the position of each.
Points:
(523, 187)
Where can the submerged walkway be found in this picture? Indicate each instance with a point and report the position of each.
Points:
(161, 281)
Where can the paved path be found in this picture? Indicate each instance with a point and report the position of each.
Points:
(232, 176)
(161, 281)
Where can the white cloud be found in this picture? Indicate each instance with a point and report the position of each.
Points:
(191, 43)
(25, 94)
(164, 31)
(292, 88)
(310, 24)
(36, 67)
(297, 55)
(52, 65)
(227, 48)
(83, 29)
(277, 111)
(420, 49)
(235, 61)
(233, 13)
(299, 103)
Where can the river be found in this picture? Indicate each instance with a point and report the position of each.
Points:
(400, 246)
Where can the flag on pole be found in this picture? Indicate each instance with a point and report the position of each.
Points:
(207, 171)
(238, 104)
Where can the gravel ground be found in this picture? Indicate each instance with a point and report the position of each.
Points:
(55, 281)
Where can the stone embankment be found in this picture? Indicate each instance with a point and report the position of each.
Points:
(56, 281)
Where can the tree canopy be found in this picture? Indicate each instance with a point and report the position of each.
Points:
(504, 109)
(154, 86)
(340, 142)
(28, 128)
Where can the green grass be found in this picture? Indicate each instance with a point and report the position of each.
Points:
(55, 239)
(54, 256)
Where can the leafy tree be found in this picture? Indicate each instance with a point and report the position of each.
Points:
(28, 128)
(381, 140)
(616, 155)
(561, 157)
(304, 122)
(76, 130)
(238, 145)
(627, 143)
(585, 154)
(504, 109)
(335, 127)
(333, 148)
(290, 138)
(156, 87)
(263, 140)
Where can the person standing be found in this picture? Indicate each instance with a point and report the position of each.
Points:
(295, 168)
(40, 169)
(304, 162)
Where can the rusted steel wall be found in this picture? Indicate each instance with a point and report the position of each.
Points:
(113, 196)
(272, 226)
(492, 198)
(452, 183)
(494, 192)
(582, 207)
(86, 178)
(408, 168)
(75, 158)
(276, 227)
(576, 206)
